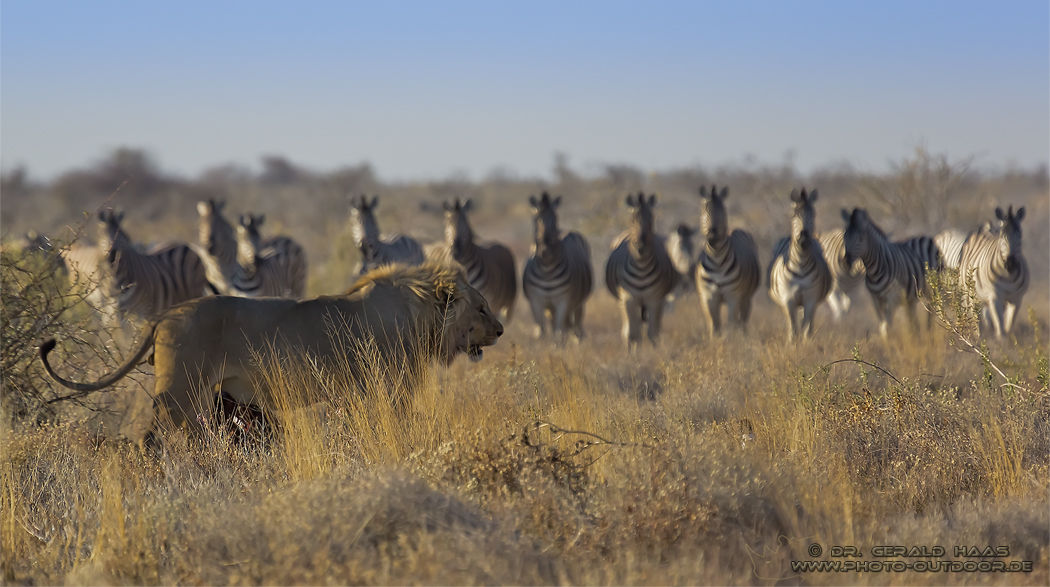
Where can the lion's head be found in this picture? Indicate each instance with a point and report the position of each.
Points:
(453, 316)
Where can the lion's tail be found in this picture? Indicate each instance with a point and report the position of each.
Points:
(147, 341)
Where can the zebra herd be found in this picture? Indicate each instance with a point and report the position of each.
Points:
(644, 269)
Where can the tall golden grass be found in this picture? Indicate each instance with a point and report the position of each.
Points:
(698, 462)
(644, 473)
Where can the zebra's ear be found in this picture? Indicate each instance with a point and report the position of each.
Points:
(652, 200)
(118, 216)
(468, 205)
(101, 215)
(795, 197)
(243, 220)
(556, 202)
(703, 192)
(533, 202)
(725, 192)
(630, 201)
(1000, 214)
(813, 196)
(845, 215)
(258, 220)
(1020, 214)
(218, 205)
(375, 200)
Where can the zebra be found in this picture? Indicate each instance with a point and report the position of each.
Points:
(217, 245)
(845, 277)
(727, 270)
(995, 265)
(799, 276)
(144, 284)
(951, 243)
(489, 268)
(682, 249)
(558, 277)
(274, 267)
(374, 251)
(640, 274)
(895, 272)
(220, 252)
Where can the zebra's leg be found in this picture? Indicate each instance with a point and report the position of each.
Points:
(655, 310)
(789, 315)
(743, 312)
(577, 320)
(884, 312)
(1008, 317)
(835, 304)
(913, 318)
(632, 320)
(539, 313)
(997, 309)
(809, 310)
(713, 306)
(561, 319)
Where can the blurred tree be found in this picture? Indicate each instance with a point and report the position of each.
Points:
(280, 171)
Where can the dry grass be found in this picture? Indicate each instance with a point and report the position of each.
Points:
(646, 474)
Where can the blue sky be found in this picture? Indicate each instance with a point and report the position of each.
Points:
(425, 90)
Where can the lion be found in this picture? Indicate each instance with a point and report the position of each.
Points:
(406, 313)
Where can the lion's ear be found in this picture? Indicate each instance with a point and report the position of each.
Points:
(446, 292)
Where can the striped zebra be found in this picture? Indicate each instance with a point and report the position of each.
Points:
(799, 276)
(376, 252)
(951, 242)
(489, 268)
(275, 267)
(727, 270)
(681, 246)
(145, 284)
(558, 277)
(895, 272)
(640, 273)
(220, 253)
(218, 246)
(845, 277)
(995, 265)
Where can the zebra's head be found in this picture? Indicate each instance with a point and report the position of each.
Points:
(363, 223)
(713, 220)
(545, 224)
(804, 239)
(803, 214)
(859, 234)
(458, 234)
(642, 234)
(1010, 234)
(249, 237)
(215, 234)
(111, 235)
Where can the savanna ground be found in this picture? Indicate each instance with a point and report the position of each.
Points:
(542, 464)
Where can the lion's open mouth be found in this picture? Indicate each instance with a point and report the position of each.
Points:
(474, 352)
